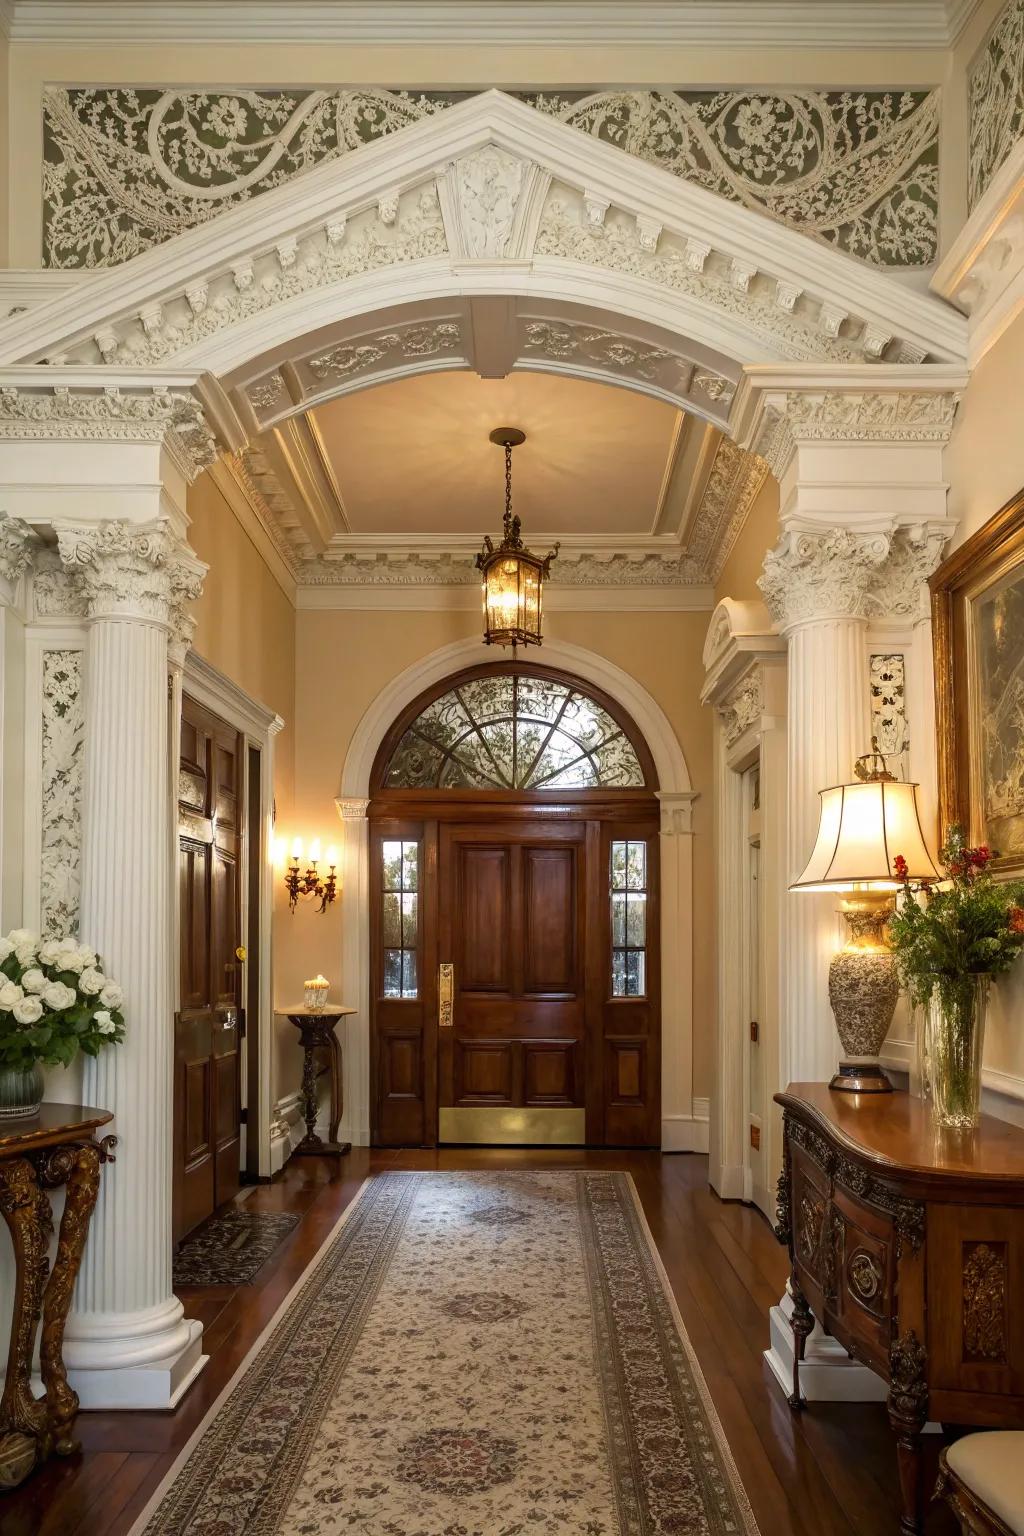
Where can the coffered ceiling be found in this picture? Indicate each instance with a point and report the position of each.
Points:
(398, 482)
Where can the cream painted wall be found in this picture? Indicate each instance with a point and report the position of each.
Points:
(759, 533)
(451, 67)
(344, 659)
(245, 626)
(985, 467)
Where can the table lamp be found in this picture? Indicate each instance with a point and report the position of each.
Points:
(862, 829)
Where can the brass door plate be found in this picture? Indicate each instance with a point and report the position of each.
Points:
(488, 1125)
(445, 994)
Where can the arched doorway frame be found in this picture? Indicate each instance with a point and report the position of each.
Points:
(681, 1130)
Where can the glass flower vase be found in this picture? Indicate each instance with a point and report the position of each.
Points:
(955, 1041)
(21, 1091)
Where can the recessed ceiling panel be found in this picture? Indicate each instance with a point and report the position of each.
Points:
(413, 457)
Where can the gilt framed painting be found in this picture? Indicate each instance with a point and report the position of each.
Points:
(978, 636)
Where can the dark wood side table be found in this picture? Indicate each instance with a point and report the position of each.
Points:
(41, 1152)
(907, 1244)
(317, 1029)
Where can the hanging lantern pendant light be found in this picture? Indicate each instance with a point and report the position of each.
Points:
(513, 577)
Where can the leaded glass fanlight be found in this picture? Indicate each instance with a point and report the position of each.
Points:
(511, 730)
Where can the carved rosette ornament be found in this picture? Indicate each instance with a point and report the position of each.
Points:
(132, 570)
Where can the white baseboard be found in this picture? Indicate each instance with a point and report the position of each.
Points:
(687, 1133)
(286, 1131)
(727, 1181)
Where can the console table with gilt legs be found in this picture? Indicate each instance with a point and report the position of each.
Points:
(906, 1243)
(55, 1147)
(317, 1029)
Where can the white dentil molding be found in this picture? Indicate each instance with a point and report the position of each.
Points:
(217, 295)
(839, 24)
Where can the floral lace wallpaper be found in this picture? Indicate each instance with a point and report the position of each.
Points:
(125, 169)
(996, 99)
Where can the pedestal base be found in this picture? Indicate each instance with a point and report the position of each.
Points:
(827, 1374)
(318, 1148)
(134, 1359)
(860, 1077)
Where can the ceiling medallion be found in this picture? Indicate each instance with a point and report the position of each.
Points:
(513, 577)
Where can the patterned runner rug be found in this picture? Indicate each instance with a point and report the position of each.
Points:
(231, 1248)
(485, 1354)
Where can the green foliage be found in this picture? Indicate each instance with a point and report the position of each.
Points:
(968, 925)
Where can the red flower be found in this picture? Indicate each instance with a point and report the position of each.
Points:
(1016, 919)
(900, 867)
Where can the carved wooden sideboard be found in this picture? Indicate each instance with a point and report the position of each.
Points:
(907, 1244)
(55, 1147)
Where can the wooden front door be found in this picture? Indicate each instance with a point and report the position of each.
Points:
(208, 1026)
(512, 904)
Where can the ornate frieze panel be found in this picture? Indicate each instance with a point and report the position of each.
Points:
(996, 99)
(733, 485)
(887, 684)
(66, 415)
(126, 168)
(62, 754)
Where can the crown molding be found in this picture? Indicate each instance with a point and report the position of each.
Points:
(466, 599)
(775, 24)
(983, 271)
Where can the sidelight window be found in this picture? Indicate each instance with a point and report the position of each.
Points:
(629, 917)
(400, 926)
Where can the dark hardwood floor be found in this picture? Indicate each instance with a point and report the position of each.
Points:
(830, 1471)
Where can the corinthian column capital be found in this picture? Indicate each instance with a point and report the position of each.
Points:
(131, 570)
(812, 575)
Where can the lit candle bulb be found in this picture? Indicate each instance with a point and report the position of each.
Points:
(297, 848)
(332, 857)
(314, 851)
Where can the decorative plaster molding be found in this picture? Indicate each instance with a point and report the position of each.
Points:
(126, 167)
(57, 593)
(485, 199)
(741, 707)
(794, 333)
(62, 756)
(840, 573)
(62, 414)
(732, 487)
(17, 545)
(130, 570)
(352, 808)
(566, 341)
(887, 682)
(844, 414)
(983, 271)
(311, 234)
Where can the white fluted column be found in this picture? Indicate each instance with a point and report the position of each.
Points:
(128, 1343)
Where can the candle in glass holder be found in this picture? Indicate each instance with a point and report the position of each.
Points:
(316, 994)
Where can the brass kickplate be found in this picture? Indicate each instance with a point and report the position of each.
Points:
(489, 1126)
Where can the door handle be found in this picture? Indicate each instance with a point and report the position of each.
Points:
(445, 994)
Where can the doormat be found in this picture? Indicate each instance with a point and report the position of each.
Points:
(469, 1352)
(231, 1248)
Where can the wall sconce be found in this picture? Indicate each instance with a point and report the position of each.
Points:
(310, 882)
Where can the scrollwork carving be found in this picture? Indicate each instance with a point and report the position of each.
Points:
(62, 756)
(996, 90)
(783, 1218)
(908, 1382)
(984, 1301)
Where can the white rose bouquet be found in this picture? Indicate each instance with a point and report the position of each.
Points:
(55, 1000)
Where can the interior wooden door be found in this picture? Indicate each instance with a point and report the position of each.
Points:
(512, 927)
(208, 1026)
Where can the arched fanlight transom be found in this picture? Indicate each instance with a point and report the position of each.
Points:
(514, 731)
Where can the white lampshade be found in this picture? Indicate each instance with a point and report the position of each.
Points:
(862, 830)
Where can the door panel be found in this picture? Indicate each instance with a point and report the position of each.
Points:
(550, 961)
(207, 1094)
(481, 939)
(511, 905)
